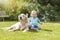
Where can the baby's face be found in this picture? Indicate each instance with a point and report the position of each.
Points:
(34, 15)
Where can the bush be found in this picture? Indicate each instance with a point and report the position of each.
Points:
(15, 7)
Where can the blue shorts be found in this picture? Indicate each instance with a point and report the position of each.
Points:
(34, 27)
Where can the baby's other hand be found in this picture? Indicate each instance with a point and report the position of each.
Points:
(41, 23)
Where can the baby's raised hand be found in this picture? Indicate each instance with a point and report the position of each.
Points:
(41, 23)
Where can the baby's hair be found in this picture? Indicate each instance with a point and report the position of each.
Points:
(33, 12)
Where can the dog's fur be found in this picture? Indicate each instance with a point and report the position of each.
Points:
(21, 25)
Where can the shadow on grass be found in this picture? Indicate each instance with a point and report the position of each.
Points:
(33, 31)
(42, 30)
(47, 30)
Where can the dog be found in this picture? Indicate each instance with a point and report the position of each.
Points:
(22, 24)
(23, 19)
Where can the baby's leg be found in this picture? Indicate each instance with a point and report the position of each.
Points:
(34, 27)
(38, 28)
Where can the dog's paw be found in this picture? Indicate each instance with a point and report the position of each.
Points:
(25, 30)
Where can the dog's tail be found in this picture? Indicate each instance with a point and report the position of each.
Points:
(6, 28)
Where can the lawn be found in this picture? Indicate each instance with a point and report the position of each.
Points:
(50, 31)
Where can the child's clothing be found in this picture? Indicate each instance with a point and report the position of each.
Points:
(34, 23)
(34, 27)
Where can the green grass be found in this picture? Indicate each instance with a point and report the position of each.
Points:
(50, 31)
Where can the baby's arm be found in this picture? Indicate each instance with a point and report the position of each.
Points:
(40, 22)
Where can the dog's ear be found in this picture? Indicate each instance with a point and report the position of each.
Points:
(26, 15)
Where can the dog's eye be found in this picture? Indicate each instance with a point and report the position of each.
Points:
(23, 15)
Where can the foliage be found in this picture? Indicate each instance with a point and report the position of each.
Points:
(50, 9)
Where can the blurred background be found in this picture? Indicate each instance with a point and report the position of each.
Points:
(48, 10)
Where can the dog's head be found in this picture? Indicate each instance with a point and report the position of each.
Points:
(22, 17)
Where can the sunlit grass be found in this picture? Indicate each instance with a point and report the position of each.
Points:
(50, 31)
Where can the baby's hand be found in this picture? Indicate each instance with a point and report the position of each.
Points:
(41, 23)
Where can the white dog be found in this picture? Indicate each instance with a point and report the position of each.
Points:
(21, 25)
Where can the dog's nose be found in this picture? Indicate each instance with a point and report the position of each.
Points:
(20, 17)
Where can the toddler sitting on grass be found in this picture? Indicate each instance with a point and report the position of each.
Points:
(34, 20)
